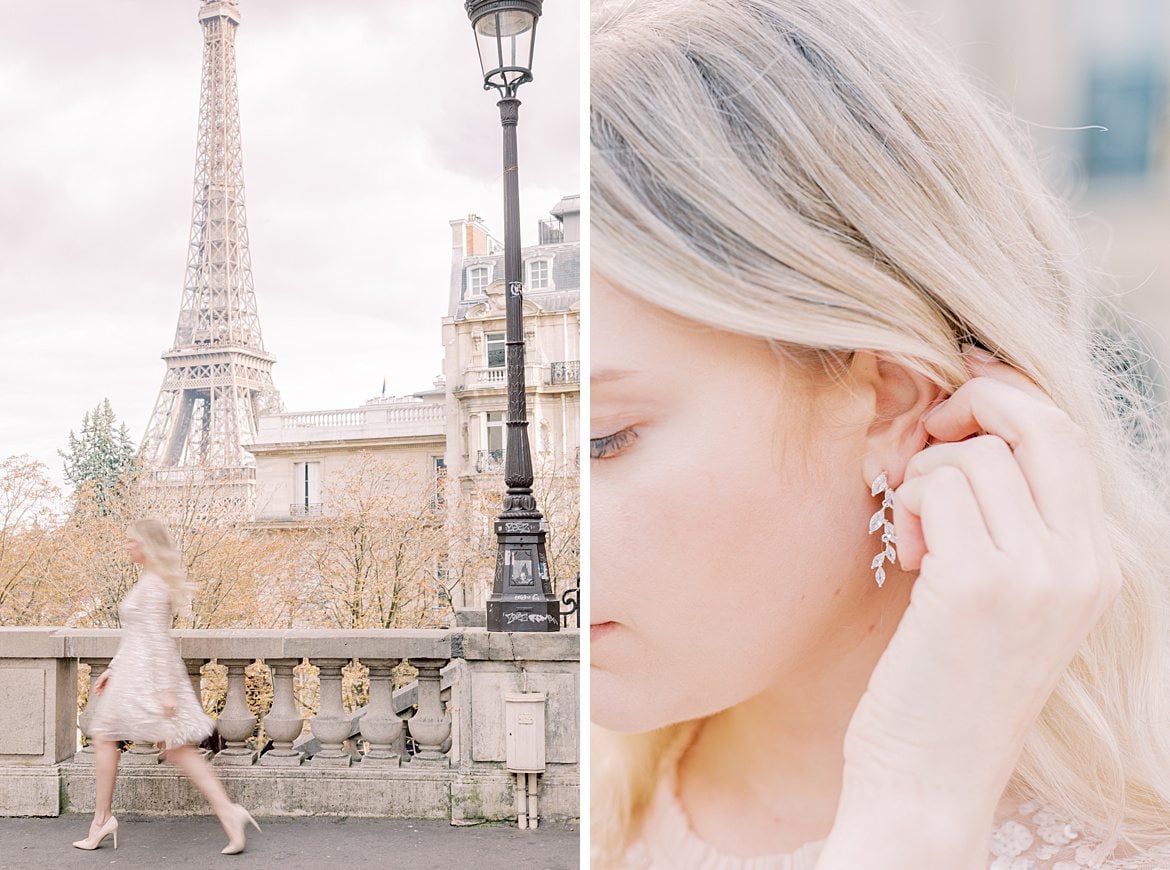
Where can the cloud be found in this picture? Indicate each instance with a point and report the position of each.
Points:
(365, 130)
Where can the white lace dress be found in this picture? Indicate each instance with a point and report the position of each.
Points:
(147, 665)
(1026, 836)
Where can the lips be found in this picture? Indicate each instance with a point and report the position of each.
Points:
(598, 630)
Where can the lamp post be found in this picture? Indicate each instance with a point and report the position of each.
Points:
(522, 598)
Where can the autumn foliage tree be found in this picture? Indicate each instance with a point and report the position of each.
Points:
(29, 511)
(378, 546)
(206, 512)
(223, 558)
(558, 495)
(389, 550)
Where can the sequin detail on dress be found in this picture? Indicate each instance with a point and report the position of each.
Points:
(146, 665)
(1027, 836)
(1037, 838)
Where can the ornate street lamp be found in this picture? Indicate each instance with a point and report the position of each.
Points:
(522, 598)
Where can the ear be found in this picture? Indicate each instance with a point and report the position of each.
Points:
(898, 398)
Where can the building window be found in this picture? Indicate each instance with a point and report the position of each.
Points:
(496, 354)
(491, 460)
(537, 275)
(1125, 86)
(439, 471)
(495, 431)
(443, 587)
(1126, 98)
(478, 278)
(306, 489)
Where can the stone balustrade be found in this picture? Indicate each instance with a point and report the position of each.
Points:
(377, 420)
(496, 377)
(188, 475)
(431, 749)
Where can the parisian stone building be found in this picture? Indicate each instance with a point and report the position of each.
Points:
(473, 341)
(453, 433)
(299, 454)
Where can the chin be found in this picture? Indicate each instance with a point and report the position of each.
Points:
(648, 701)
(620, 704)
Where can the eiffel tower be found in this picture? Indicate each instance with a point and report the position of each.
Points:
(219, 377)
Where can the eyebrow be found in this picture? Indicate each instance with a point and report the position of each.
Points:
(605, 376)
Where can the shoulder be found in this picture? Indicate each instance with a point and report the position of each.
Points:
(1033, 836)
(154, 579)
(155, 586)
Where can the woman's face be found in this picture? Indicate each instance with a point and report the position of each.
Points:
(134, 549)
(728, 515)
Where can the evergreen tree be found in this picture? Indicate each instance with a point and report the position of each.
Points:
(102, 457)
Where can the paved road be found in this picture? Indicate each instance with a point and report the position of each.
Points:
(307, 842)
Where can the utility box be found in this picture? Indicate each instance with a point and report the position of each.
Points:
(524, 720)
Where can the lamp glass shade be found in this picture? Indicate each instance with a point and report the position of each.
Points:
(505, 40)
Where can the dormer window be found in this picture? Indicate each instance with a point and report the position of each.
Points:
(478, 278)
(537, 278)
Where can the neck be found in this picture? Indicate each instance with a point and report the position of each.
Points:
(765, 775)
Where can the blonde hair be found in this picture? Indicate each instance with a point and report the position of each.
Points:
(163, 558)
(810, 172)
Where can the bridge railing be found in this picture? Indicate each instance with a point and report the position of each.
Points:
(429, 740)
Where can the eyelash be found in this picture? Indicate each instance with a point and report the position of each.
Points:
(608, 446)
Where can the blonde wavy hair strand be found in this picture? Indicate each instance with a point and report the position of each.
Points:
(811, 172)
(162, 557)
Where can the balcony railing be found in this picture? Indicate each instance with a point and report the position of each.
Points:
(490, 461)
(496, 377)
(370, 421)
(351, 417)
(567, 372)
(305, 510)
(487, 376)
(199, 475)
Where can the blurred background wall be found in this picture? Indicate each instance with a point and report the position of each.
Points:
(1073, 63)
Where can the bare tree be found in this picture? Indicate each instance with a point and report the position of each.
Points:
(558, 494)
(473, 544)
(378, 546)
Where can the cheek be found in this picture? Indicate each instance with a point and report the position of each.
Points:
(721, 566)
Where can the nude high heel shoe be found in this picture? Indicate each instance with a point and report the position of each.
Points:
(94, 840)
(239, 826)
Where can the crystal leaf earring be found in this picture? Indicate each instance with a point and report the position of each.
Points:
(879, 521)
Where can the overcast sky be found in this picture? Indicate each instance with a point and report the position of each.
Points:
(365, 130)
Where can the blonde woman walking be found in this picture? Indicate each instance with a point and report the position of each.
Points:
(901, 599)
(145, 695)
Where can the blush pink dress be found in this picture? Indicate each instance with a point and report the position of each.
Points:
(1026, 836)
(147, 665)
